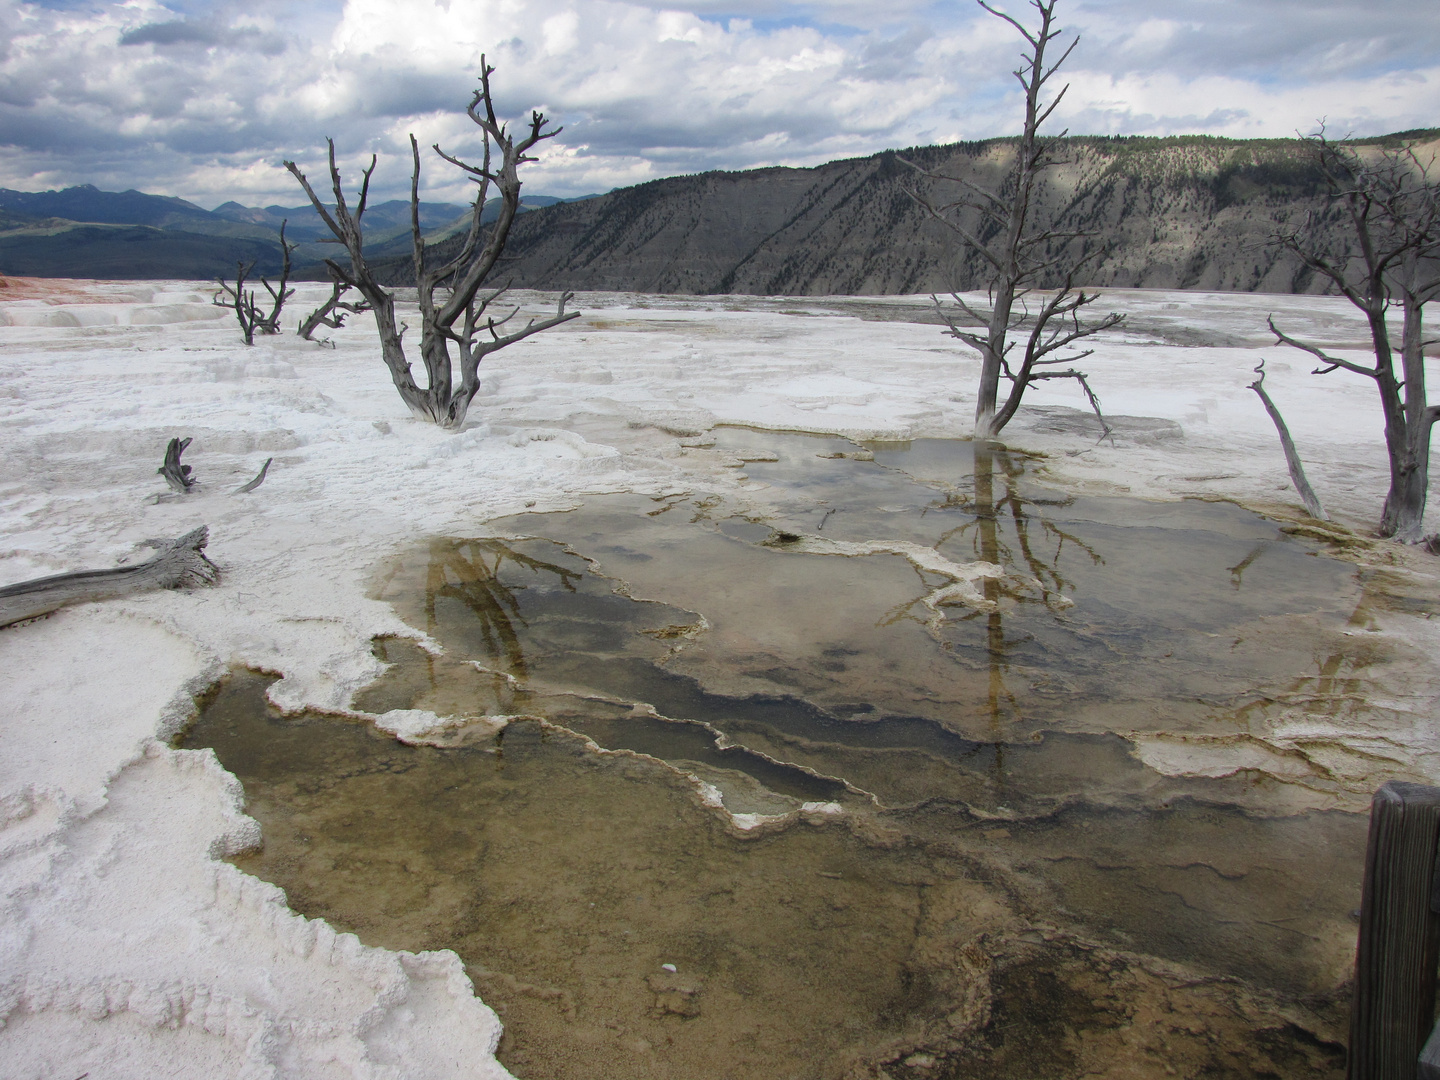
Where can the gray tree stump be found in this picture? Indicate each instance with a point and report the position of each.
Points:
(176, 475)
(181, 563)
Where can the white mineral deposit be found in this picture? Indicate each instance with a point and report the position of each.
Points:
(129, 947)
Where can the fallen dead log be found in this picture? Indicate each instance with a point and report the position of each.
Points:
(180, 564)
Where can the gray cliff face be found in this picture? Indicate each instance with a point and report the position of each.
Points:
(1174, 213)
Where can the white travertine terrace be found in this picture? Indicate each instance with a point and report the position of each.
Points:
(129, 948)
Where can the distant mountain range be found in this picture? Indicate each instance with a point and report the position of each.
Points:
(85, 232)
(1188, 212)
(1183, 212)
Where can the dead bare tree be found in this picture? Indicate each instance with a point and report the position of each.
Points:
(246, 307)
(331, 313)
(270, 324)
(242, 302)
(453, 309)
(1020, 254)
(1389, 260)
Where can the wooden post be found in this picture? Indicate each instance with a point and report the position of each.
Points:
(1399, 943)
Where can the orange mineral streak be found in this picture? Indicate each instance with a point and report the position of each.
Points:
(65, 290)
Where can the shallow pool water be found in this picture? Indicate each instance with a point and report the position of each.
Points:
(857, 748)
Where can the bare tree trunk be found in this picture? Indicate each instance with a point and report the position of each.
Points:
(1292, 457)
(1404, 512)
(181, 563)
(992, 361)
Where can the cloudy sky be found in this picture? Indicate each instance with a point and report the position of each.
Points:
(204, 100)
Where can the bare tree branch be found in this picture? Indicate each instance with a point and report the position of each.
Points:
(332, 312)
(259, 479)
(1332, 362)
(1292, 457)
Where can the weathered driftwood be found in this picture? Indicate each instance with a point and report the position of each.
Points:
(176, 475)
(259, 479)
(1292, 458)
(1399, 941)
(180, 564)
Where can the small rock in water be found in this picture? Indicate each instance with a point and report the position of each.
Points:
(674, 996)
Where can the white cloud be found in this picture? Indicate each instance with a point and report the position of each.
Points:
(205, 103)
(1237, 108)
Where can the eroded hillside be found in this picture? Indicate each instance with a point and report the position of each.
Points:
(1185, 212)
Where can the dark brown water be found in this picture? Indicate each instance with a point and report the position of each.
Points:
(875, 833)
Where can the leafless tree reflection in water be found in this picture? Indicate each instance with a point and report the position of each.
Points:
(469, 571)
(1024, 897)
(1237, 572)
(1031, 557)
